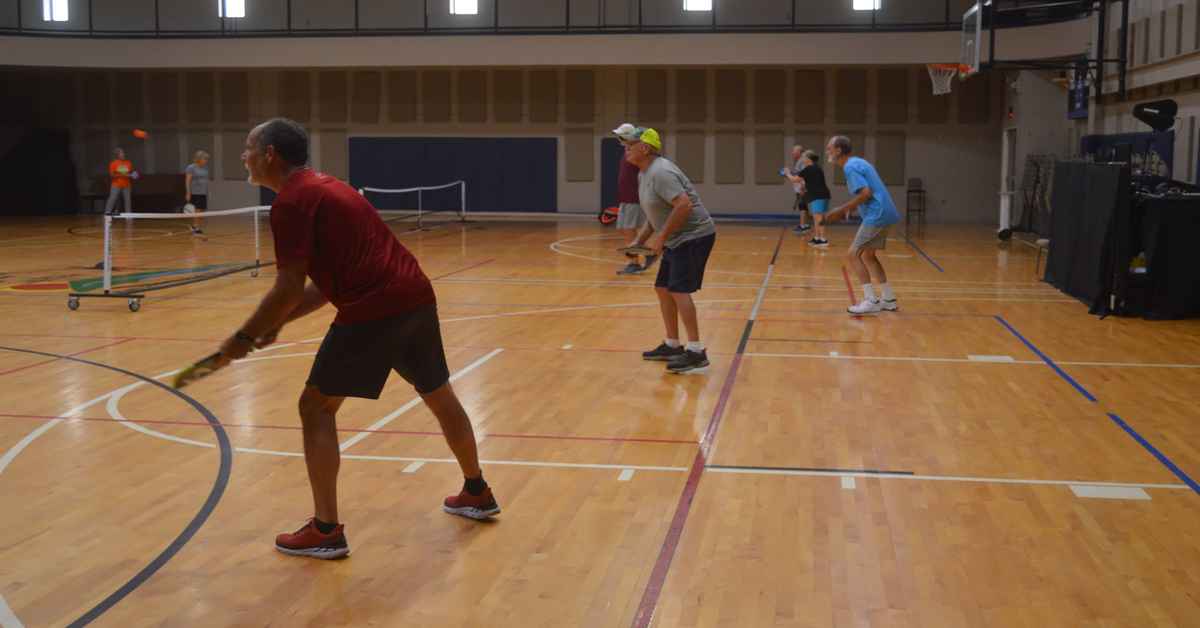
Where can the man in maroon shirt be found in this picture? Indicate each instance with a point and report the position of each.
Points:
(386, 320)
(632, 218)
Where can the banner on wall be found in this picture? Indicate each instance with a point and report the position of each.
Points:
(1077, 95)
(1150, 154)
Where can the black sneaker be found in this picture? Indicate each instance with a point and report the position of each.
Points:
(689, 361)
(197, 231)
(662, 353)
(801, 228)
(632, 268)
(650, 259)
(818, 242)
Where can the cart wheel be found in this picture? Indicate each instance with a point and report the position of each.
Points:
(135, 305)
(72, 303)
(254, 273)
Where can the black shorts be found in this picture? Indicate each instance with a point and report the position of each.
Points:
(682, 268)
(800, 205)
(200, 201)
(355, 360)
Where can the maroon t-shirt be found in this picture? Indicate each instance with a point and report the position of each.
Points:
(627, 182)
(325, 227)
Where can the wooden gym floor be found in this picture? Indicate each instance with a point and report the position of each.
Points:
(991, 455)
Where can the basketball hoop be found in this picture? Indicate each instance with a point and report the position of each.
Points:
(942, 76)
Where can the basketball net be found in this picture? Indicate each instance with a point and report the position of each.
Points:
(942, 76)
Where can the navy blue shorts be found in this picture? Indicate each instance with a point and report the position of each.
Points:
(682, 268)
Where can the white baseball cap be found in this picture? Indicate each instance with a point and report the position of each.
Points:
(627, 132)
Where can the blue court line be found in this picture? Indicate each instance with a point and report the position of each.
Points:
(927, 258)
(1179, 473)
(1162, 458)
(214, 496)
(1045, 358)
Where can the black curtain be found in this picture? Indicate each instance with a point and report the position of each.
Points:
(37, 173)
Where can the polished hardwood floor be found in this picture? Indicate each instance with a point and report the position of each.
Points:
(967, 461)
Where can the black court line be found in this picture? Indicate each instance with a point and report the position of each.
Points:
(214, 496)
(828, 470)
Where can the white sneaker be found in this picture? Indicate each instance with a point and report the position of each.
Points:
(868, 306)
(888, 306)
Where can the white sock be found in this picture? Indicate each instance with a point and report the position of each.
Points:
(869, 292)
(673, 343)
(695, 345)
(888, 295)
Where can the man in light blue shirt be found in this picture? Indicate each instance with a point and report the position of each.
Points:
(878, 212)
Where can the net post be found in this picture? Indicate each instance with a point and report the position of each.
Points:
(462, 208)
(257, 243)
(107, 272)
(419, 208)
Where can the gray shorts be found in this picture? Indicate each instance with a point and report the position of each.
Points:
(870, 237)
(631, 216)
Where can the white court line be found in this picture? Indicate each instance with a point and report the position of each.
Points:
(991, 358)
(1091, 491)
(381, 423)
(412, 468)
(971, 359)
(848, 483)
(626, 475)
(944, 478)
(9, 619)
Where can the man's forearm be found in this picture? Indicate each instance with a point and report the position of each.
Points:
(644, 233)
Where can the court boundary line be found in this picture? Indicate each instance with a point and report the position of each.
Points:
(916, 248)
(197, 521)
(1124, 425)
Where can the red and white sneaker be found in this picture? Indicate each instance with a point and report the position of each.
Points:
(478, 507)
(308, 541)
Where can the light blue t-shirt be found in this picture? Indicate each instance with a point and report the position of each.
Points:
(880, 211)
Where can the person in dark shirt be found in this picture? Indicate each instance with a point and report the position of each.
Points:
(386, 320)
(811, 178)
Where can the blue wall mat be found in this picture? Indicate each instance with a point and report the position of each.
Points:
(611, 155)
(502, 174)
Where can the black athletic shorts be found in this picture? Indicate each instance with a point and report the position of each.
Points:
(682, 268)
(200, 201)
(355, 360)
(800, 205)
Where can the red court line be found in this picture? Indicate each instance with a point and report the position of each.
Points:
(463, 270)
(70, 355)
(251, 426)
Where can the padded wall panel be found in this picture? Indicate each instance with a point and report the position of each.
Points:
(730, 157)
(651, 97)
(295, 95)
(691, 96)
(235, 98)
(851, 96)
(229, 162)
(543, 96)
(167, 156)
(509, 101)
(581, 96)
(332, 96)
(691, 153)
(808, 96)
(580, 153)
(129, 93)
(931, 109)
(769, 155)
(770, 87)
(891, 95)
(472, 96)
(162, 90)
(435, 95)
(367, 96)
(200, 97)
(96, 92)
(890, 157)
(730, 96)
(402, 95)
(975, 99)
(333, 153)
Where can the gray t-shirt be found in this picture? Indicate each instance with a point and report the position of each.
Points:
(661, 183)
(199, 179)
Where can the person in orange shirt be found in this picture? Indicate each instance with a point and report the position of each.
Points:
(120, 172)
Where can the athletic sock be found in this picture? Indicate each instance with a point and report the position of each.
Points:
(888, 295)
(869, 292)
(695, 346)
(673, 343)
(322, 527)
(476, 486)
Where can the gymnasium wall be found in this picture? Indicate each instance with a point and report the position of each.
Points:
(730, 127)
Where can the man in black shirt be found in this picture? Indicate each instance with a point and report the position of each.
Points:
(810, 180)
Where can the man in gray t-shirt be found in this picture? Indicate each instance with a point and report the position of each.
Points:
(681, 230)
